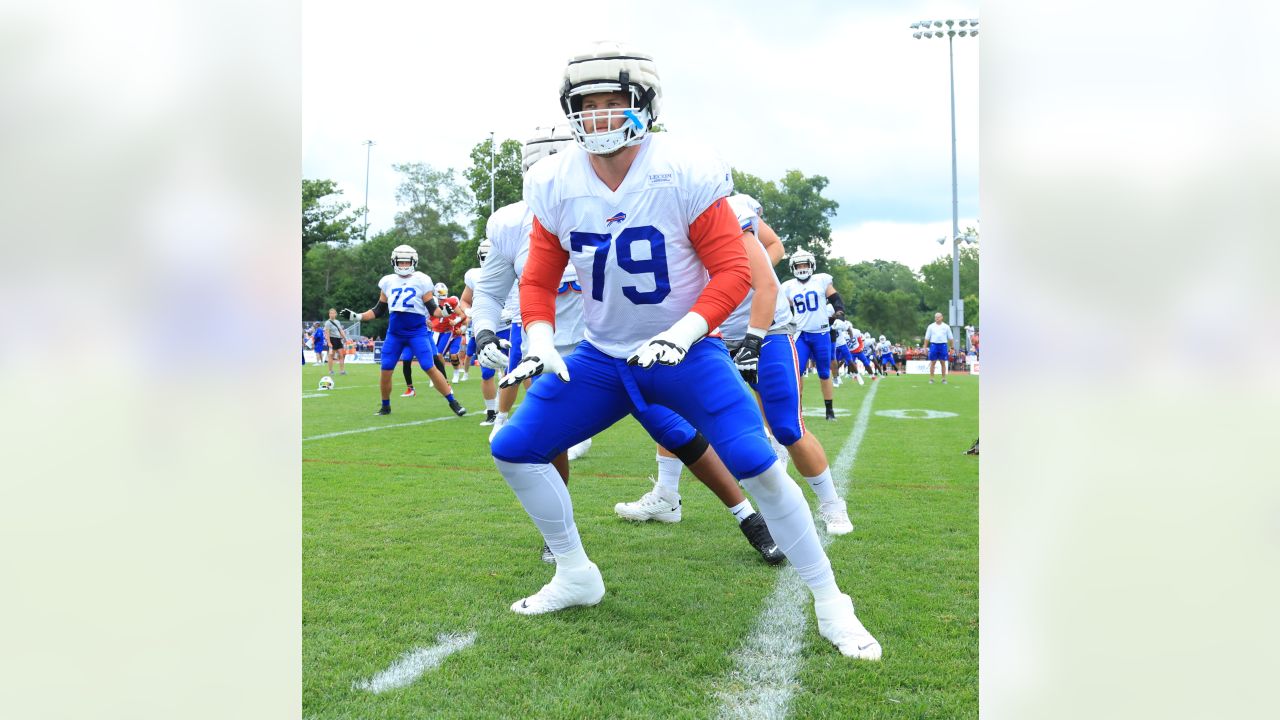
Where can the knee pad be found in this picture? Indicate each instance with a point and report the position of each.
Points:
(786, 434)
(692, 451)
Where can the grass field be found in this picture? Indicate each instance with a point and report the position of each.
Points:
(410, 534)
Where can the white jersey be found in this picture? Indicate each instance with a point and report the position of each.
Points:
(883, 347)
(405, 294)
(735, 326)
(935, 333)
(842, 328)
(496, 295)
(855, 339)
(638, 270)
(570, 324)
(808, 301)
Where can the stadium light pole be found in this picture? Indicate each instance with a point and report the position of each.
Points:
(367, 154)
(927, 30)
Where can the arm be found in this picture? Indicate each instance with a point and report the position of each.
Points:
(717, 239)
(497, 275)
(834, 298)
(772, 243)
(542, 271)
(764, 282)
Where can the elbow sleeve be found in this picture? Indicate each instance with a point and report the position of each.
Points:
(379, 310)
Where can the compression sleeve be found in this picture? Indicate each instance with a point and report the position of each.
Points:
(542, 271)
(716, 237)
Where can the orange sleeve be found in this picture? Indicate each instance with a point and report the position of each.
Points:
(542, 272)
(717, 239)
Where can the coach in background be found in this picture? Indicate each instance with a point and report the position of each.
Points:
(337, 341)
(938, 337)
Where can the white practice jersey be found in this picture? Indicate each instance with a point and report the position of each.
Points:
(842, 328)
(638, 270)
(471, 279)
(496, 295)
(855, 338)
(570, 324)
(405, 294)
(883, 347)
(735, 326)
(809, 301)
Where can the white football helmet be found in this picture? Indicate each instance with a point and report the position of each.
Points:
(326, 383)
(482, 251)
(610, 66)
(402, 253)
(442, 290)
(802, 258)
(545, 142)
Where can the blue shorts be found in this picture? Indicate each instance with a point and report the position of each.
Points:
(937, 351)
(406, 355)
(843, 355)
(453, 345)
(779, 388)
(862, 357)
(555, 415)
(471, 346)
(319, 347)
(486, 373)
(887, 359)
(517, 341)
(395, 346)
(815, 346)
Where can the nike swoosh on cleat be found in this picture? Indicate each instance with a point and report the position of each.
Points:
(525, 604)
(864, 647)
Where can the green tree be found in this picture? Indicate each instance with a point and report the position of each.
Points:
(433, 202)
(508, 187)
(325, 222)
(795, 208)
(937, 285)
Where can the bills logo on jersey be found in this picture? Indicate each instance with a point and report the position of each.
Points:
(616, 219)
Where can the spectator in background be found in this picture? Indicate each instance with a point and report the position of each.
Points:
(938, 336)
(317, 343)
(337, 341)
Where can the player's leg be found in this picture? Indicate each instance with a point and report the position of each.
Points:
(823, 359)
(391, 349)
(489, 386)
(507, 395)
(803, 353)
(781, 400)
(406, 367)
(428, 361)
(555, 416)
(723, 411)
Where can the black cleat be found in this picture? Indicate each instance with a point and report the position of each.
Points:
(383, 411)
(457, 408)
(547, 555)
(489, 417)
(757, 533)
(973, 450)
(831, 416)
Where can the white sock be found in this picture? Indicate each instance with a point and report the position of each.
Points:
(491, 404)
(546, 499)
(783, 506)
(669, 474)
(825, 590)
(823, 487)
(742, 510)
(502, 416)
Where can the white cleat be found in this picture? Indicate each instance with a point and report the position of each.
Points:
(838, 623)
(498, 421)
(656, 504)
(836, 517)
(569, 588)
(861, 381)
(466, 376)
(580, 449)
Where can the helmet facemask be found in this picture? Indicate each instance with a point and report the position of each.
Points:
(634, 122)
(401, 254)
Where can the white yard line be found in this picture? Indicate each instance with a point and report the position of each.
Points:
(378, 427)
(764, 676)
(414, 663)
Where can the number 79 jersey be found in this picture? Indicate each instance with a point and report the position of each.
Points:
(808, 301)
(636, 265)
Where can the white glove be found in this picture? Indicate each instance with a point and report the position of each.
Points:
(540, 357)
(491, 350)
(670, 346)
(352, 314)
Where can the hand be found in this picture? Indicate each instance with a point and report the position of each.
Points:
(445, 309)
(352, 314)
(456, 319)
(670, 346)
(542, 357)
(491, 350)
(747, 359)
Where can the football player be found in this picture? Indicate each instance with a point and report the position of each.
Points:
(885, 349)
(508, 232)
(843, 358)
(808, 291)
(857, 348)
(406, 295)
(645, 220)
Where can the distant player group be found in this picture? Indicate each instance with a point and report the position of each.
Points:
(634, 276)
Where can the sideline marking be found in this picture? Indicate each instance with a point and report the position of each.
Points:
(315, 395)
(414, 663)
(765, 667)
(378, 427)
(915, 414)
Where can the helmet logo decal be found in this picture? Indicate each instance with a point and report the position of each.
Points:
(632, 117)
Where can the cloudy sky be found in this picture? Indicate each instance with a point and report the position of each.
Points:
(833, 88)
